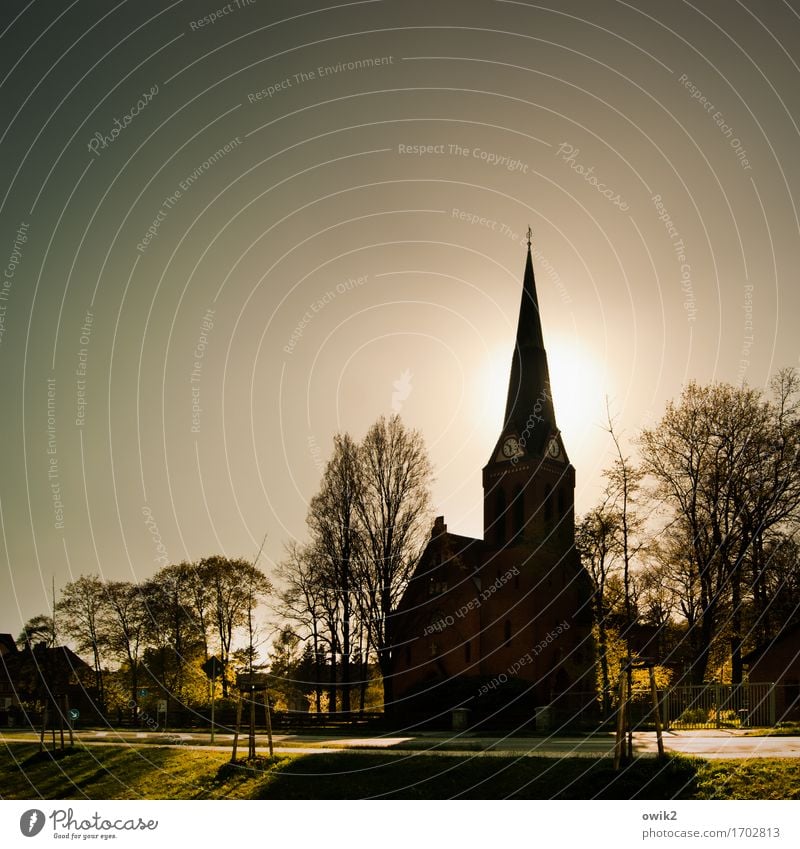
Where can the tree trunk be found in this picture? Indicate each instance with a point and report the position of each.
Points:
(135, 691)
(384, 660)
(602, 647)
(332, 684)
(737, 667)
(317, 672)
(346, 653)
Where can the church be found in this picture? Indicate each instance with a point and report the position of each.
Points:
(501, 626)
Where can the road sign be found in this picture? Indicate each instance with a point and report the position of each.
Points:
(74, 714)
(162, 705)
(213, 667)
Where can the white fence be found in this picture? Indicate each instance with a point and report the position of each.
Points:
(710, 706)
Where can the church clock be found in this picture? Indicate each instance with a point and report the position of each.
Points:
(553, 448)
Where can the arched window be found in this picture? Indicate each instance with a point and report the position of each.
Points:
(519, 512)
(507, 632)
(500, 517)
(467, 651)
(548, 502)
(562, 501)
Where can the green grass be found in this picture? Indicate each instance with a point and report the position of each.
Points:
(117, 772)
(757, 778)
(120, 772)
(782, 729)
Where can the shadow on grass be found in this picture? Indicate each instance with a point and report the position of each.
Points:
(48, 755)
(358, 776)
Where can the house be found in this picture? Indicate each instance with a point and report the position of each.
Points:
(39, 675)
(778, 662)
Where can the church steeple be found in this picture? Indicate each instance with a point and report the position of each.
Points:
(529, 407)
(529, 483)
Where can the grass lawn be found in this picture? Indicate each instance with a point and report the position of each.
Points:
(118, 772)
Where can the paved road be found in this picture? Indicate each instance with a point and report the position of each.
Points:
(706, 744)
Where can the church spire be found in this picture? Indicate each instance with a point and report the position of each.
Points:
(529, 406)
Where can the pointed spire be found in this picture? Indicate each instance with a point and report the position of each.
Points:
(530, 404)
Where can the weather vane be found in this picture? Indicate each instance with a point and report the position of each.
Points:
(529, 234)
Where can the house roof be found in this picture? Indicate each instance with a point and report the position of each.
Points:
(788, 632)
(7, 643)
(29, 670)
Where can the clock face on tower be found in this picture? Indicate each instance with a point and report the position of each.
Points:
(553, 448)
(511, 448)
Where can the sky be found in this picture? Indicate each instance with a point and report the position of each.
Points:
(229, 231)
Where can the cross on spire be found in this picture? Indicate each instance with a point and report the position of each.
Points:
(529, 234)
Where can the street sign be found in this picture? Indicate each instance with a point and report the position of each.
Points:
(74, 714)
(213, 667)
(162, 705)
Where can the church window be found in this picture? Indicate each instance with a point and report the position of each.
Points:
(408, 655)
(561, 501)
(507, 633)
(467, 652)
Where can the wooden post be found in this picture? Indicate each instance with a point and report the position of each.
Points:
(269, 722)
(236, 729)
(619, 742)
(44, 728)
(251, 747)
(656, 712)
(61, 722)
(213, 694)
(628, 706)
(69, 721)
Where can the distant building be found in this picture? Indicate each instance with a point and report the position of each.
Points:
(778, 662)
(7, 648)
(502, 625)
(38, 675)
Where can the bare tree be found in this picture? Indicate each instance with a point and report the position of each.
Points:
(393, 506)
(172, 628)
(597, 539)
(300, 602)
(334, 524)
(236, 586)
(80, 612)
(124, 621)
(724, 462)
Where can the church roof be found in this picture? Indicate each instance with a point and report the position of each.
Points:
(530, 402)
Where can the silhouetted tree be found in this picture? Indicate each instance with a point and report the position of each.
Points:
(39, 629)
(393, 506)
(724, 461)
(124, 622)
(336, 539)
(236, 587)
(80, 615)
